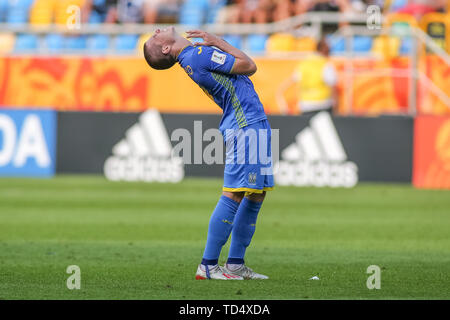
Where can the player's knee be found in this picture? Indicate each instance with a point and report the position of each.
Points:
(236, 196)
(257, 197)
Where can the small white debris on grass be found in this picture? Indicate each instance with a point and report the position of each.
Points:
(314, 278)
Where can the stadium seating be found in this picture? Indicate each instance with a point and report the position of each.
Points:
(305, 44)
(42, 12)
(126, 42)
(62, 12)
(281, 42)
(257, 43)
(337, 44)
(98, 42)
(77, 42)
(387, 47)
(361, 44)
(194, 13)
(54, 42)
(3, 10)
(234, 40)
(26, 42)
(18, 11)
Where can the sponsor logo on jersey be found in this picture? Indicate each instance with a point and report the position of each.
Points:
(218, 57)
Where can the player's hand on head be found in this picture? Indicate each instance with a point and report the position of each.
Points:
(208, 38)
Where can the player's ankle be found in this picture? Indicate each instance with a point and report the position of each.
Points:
(209, 266)
(210, 263)
(234, 263)
(234, 266)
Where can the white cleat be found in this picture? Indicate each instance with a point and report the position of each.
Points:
(217, 273)
(246, 273)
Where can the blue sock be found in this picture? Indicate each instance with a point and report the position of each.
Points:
(243, 230)
(219, 230)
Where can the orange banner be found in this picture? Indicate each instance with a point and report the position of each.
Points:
(128, 84)
(431, 166)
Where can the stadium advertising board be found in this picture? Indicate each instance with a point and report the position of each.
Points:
(432, 152)
(27, 143)
(129, 85)
(315, 150)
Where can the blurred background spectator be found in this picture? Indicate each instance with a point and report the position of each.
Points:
(132, 11)
(254, 11)
(315, 79)
(97, 11)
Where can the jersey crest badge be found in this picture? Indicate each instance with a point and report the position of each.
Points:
(252, 178)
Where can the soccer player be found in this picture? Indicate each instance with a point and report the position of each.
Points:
(223, 71)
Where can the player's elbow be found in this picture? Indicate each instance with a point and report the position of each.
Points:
(244, 67)
(252, 68)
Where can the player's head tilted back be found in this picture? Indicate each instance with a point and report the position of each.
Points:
(158, 49)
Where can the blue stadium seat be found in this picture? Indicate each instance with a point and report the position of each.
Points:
(126, 42)
(337, 44)
(18, 11)
(98, 42)
(362, 44)
(3, 10)
(54, 42)
(257, 42)
(26, 42)
(234, 40)
(78, 42)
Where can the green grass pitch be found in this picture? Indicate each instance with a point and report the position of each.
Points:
(144, 241)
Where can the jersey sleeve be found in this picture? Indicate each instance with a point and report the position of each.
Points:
(212, 59)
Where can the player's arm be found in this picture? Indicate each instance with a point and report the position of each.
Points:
(281, 100)
(243, 64)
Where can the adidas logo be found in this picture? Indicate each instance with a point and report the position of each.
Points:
(145, 154)
(316, 158)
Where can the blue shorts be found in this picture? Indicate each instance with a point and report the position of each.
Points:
(248, 165)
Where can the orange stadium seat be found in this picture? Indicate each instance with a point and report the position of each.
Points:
(7, 42)
(386, 47)
(305, 44)
(61, 14)
(279, 42)
(42, 12)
